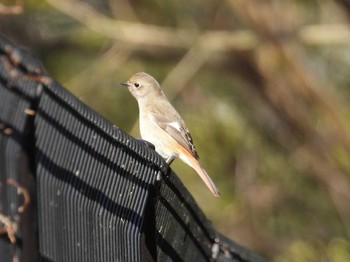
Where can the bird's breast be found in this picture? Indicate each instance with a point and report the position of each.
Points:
(164, 144)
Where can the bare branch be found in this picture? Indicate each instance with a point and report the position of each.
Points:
(8, 227)
(13, 9)
(23, 191)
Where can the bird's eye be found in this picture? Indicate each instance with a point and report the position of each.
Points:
(137, 85)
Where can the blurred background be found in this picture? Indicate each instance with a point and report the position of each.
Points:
(262, 85)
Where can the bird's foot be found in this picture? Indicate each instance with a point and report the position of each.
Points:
(170, 159)
(149, 144)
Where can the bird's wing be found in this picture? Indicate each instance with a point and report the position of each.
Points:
(176, 128)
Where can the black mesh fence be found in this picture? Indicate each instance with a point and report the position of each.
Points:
(74, 187)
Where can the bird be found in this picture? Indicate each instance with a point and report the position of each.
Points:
(161, 125)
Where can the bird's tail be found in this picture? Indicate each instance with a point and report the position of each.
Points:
(192, 162)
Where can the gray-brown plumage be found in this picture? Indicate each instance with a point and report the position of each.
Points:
(162, 125)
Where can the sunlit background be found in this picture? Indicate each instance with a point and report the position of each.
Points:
(262, 85)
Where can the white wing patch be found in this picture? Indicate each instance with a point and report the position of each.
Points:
(176, 125)
(153, 119)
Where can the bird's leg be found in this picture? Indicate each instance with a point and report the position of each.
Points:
(170, 159)
(149, 144)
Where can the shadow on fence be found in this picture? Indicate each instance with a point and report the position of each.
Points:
(74, 187)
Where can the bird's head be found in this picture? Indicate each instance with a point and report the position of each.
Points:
(142, 85)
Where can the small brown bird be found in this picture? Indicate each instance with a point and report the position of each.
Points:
(162, 125)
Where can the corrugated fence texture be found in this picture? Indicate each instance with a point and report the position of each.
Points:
(76, 188)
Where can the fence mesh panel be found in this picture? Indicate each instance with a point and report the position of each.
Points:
(76, 188)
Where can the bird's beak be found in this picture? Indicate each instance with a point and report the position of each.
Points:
(125, 83)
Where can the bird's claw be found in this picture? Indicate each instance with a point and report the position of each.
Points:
(149, 144)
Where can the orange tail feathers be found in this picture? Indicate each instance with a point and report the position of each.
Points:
(192, 162)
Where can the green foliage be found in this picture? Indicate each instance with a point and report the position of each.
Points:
(337, 250)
